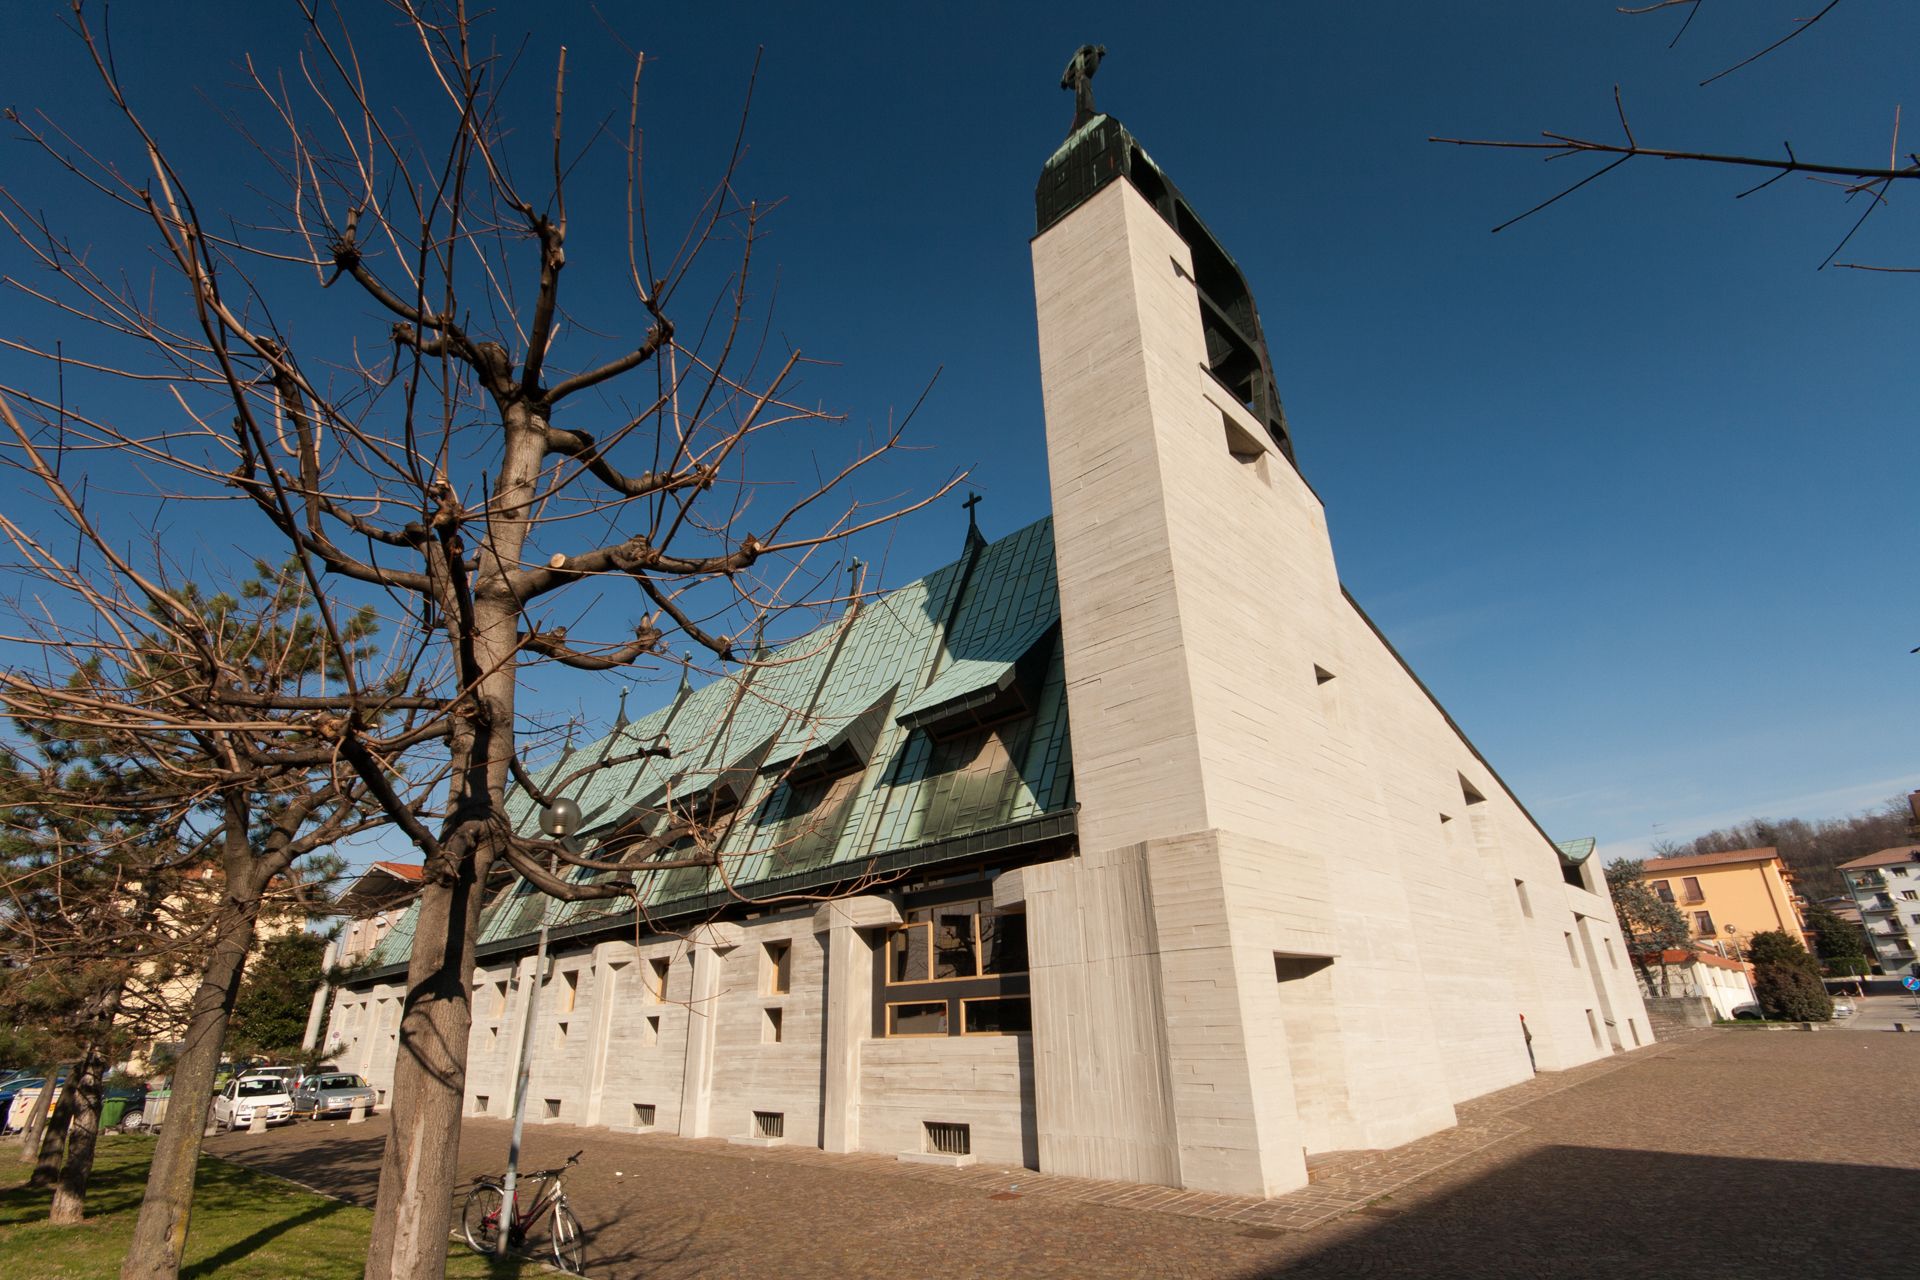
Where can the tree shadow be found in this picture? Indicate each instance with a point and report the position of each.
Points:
(117, 1183)
(239, 1249)
(344, 1162)
(1571, 1212)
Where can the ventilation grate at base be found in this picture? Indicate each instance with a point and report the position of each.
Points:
(949, 1139)
(769, 1124)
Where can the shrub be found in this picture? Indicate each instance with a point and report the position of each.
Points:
(1787, 979)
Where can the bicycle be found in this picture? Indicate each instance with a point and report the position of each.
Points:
(480, 1219)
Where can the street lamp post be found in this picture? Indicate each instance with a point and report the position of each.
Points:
(561, 821)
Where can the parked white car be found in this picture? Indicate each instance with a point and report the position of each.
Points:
(247, 1096)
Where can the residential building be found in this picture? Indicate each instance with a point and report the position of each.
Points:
(158, 1001)
(1124, 846)
(1886, 888)
(1705, 975)
(371, 906)
(1728, 897)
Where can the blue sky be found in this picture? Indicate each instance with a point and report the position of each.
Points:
(1630, 483)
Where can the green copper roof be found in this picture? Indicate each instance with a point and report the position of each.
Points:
(1576, 850)
(845, 687)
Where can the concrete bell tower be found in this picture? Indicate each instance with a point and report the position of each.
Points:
(1213, 972)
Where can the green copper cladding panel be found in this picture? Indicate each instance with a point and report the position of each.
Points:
(913, 790)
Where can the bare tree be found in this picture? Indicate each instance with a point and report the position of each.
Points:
(441, 457)
(166, 805)
(1866, 181)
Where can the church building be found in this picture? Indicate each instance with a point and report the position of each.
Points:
(1124, 846)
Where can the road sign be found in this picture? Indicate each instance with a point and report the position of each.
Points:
(1911, 984)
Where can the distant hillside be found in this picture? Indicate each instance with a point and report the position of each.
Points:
(1812, 849)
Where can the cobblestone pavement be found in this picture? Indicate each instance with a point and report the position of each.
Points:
(1723, 1153)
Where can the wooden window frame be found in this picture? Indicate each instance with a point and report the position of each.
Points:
(774, 982)
(1690, 885)
(973, 930)
(1027, 998)
(976, 902)
(946, 1012)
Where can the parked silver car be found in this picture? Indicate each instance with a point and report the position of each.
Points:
(334, 1095)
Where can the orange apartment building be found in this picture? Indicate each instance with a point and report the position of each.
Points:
(1728, 897)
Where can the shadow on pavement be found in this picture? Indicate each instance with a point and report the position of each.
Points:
(1591, 1211)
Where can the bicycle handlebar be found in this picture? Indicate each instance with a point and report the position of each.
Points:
(572, 1160)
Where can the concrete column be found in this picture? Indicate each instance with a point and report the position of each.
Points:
(515, 1019)
(374, 1024)
(317, 1011)
(707, 947)
(608, 977)
(847, 1013)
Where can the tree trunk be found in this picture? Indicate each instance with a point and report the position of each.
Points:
(414, 1211)
(70, 1192)
(160, 1235)
(36, 1119)
(53, 1132)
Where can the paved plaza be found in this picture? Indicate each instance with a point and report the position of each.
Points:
(1725, 1153)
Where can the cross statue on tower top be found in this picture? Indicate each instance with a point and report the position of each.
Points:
(1079, 78)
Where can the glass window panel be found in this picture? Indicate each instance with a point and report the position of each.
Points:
(1003, 943)
(924, 1019)
(908, 954)
(953, 944)
(997, 1016)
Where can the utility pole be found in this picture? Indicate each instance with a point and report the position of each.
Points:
(559, 820)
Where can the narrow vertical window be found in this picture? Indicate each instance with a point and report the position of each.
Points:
(1520, 891)
(777, 975)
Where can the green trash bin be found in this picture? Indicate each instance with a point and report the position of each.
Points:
(111, 1112)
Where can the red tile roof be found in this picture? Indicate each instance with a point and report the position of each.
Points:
(1710, 859)
(1885, 858)
(405, 870)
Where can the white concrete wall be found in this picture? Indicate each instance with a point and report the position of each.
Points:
(629, 1041)
(983, 1082)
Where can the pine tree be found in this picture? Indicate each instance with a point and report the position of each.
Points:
(1842, 945)
(1649, 925)
(1787, 980)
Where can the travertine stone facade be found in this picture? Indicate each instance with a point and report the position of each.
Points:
(1258, 893)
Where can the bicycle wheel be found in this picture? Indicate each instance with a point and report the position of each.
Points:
(480, 1220)
(569, 1243)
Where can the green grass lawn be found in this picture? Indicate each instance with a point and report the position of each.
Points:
(246, 1226)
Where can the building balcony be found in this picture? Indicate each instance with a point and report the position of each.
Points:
(1868, 880)
(1880, 906)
